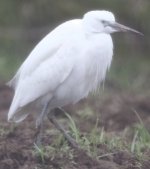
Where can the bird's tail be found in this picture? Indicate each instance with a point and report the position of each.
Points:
(16, 114)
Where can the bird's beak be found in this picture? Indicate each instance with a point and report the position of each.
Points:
(122, 28)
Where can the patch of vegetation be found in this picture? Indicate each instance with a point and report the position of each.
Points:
(5, 131)
(98, 143)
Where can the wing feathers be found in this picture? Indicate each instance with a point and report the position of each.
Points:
(43, 80)
(49, 64)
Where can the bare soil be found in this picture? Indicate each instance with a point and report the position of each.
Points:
(115, 112)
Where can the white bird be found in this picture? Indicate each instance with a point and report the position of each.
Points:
(65, 66)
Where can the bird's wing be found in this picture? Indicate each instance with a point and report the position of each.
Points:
(45, 49)
(44, 80)
(47, 75)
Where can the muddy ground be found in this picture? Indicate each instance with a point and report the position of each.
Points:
(116, 113)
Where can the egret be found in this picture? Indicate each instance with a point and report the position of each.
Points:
(67, 64)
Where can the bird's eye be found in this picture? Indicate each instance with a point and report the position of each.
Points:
(104, 23)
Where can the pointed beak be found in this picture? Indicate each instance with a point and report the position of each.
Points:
(121, 28)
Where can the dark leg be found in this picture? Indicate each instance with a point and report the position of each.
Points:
(38, 135)
(39, 125)
(70, 140)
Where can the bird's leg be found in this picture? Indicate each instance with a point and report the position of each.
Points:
(39, 125)
(53, 120)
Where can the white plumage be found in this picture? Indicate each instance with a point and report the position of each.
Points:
(66, 65)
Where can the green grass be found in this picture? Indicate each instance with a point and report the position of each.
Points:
(97, 137)
(53, 151)
(5, 131)
(141, 140)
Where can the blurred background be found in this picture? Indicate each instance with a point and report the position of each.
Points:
(24, 23)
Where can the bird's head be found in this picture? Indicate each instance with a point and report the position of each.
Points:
(104, 22)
